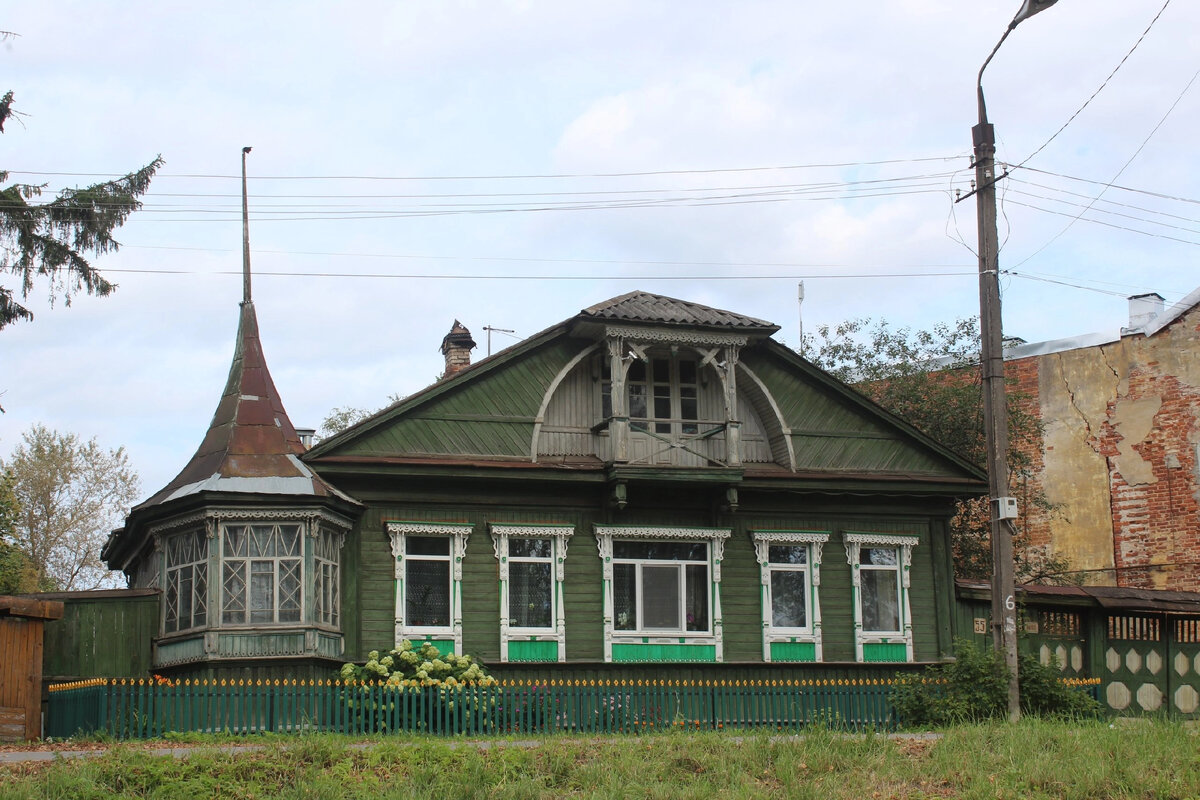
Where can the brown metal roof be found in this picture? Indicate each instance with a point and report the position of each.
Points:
(1122, 598)
(646, 307)
(251, 446)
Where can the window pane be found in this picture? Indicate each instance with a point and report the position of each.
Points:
(625, 597)
(788, 599)
(880, 600)
(185, 597)
(289, 540)
(262, 541)
(788, 554)
(662, 403)
(660, 598)
(427, 593)
(687, 371)
(637, 401)
(697, 597)
(662, 370)
(427, 545)
(530, 588)
(661, 551)
(880, 556)
(235, 540)
(637, 370)
(262, 591)
(289, 590)
(200, 582)
(233, 595)
(529, 548)
(171, 599)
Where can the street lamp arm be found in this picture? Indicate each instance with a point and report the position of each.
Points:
(979, 81)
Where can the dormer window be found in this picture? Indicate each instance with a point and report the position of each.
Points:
(664, 394)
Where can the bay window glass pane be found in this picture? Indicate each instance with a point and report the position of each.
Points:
(427, 593)
(427, 545)
(788, 606)
(171, 617)
(529, 548)
(625, 597)
(262, 591)
(233, 593)
(697, 597)
(262, 541)
(880, 600)
(660, 603)
(200, 586)
(288, 543)
(530, 588)
(289, 590)
(185, 597)
(687, 371)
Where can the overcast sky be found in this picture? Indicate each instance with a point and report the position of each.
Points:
(510, 163)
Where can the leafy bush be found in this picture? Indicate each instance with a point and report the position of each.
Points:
(974, 687)
(423, 666)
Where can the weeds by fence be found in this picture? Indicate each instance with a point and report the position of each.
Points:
(141, 708)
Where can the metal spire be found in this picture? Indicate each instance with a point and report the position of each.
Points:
(245, 234)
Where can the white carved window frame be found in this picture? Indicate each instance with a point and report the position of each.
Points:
(715, 538)
(815, 542)
(559, 536)
(854, 542)
(458, 533)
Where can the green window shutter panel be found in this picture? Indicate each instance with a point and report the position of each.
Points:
(656, 653)
(533, 651)
(796, 651)
(884, 652)
(444, 646)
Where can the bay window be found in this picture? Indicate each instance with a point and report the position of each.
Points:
(261, 567)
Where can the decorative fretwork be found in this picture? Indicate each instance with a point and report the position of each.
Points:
(1066, 624)
(1134, 629)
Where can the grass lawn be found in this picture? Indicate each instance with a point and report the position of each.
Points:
(1032, 759)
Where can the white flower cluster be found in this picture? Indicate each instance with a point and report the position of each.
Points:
(423, 666)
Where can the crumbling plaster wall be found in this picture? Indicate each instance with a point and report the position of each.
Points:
(1118, 457)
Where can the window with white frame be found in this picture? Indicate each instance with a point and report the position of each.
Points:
(326, 585)
(532, 621)
(185, 594)
(261, 573)
(661, 585)
(790, 569)
(880, 564)
(429, 579)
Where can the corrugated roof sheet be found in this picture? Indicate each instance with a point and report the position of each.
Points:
(646, 307)
(251, 446)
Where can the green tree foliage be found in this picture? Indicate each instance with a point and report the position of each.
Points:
(16, 572)
(974, 688)
(70, 494)
(49, 242)
(342, 417)
(932, 380)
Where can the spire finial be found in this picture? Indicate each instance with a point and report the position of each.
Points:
(245, 233)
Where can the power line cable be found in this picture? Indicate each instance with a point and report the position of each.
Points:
(1102, 85)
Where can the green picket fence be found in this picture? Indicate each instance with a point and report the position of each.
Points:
(141, 708)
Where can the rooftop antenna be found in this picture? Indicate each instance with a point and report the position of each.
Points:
(245, 233)
(489, 329)
(800, 313)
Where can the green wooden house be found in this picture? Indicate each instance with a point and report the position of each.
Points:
(650, 482)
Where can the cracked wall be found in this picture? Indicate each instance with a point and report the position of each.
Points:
(1118, 456)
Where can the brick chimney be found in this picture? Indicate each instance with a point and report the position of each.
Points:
(457, 347)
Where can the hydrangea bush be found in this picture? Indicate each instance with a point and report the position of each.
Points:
(417, 666)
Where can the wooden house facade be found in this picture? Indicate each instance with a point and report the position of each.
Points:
(650, 483)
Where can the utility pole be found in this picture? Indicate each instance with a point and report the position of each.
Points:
(800, 314)
(1001, 506)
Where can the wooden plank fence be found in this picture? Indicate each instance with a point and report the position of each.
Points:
(143, 708)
